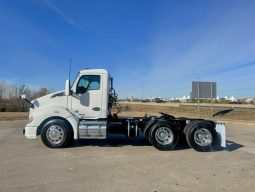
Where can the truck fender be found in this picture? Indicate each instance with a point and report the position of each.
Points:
(71, 125)
(148, 126)
(194, 122)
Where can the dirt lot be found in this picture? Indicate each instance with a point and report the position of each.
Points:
(120, 164)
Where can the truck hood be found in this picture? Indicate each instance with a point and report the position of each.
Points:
(47, 98)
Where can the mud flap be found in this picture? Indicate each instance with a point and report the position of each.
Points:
(221, 135)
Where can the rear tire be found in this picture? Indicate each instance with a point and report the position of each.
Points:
(163, 136)
(201, 136)
(56, 134)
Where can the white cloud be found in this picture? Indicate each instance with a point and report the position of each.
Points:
(63, 15)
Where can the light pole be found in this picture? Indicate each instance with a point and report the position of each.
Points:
(211, 100)
(198, 104)
(142, 93)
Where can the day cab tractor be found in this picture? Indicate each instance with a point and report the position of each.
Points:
(84, 111)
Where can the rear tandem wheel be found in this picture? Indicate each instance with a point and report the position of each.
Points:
(163, 136)
(201, 135)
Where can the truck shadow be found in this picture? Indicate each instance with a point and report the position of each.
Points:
(113, 141)
(233, 146)
(221, 113)
(230, 146)
(121, 141)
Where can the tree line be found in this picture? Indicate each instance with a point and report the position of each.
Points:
(10, 96)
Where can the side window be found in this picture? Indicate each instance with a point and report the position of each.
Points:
(88, 82)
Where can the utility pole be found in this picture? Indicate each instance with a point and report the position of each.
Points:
(211, 100)
(198, 104)
(142, 93)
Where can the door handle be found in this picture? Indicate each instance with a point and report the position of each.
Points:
(96, 109)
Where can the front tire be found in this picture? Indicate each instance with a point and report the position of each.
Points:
(163, 136)
(55, 134)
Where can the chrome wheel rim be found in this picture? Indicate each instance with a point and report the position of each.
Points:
(55, 134)
(164, 136)
(203, 137)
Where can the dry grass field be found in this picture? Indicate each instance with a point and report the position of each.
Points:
(226, 112)
(13, 116)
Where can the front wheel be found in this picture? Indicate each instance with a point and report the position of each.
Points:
(55, 134)
(163, 136)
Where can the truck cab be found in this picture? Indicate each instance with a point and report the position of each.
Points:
(89, 95)
(83, 105)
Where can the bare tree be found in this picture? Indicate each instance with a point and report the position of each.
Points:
(41, 92)
(21, 89)
(15, 91)
(3, 88)
(10, 93)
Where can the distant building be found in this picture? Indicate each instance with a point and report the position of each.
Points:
(248, 100)
(232, 99)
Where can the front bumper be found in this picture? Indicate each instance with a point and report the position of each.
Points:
(30, 132)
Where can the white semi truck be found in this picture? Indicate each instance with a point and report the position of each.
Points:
(84, 110)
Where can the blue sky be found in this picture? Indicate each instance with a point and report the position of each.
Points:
(152, 45)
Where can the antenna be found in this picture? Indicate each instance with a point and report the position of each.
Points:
(68, 85)
(70, 67)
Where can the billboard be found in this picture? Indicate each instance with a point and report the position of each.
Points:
(203, 90)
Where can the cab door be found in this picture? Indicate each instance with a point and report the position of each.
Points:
(86, 98)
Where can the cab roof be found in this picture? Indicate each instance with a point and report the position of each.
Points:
(95, 71)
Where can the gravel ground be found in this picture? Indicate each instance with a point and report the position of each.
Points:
(120, 164)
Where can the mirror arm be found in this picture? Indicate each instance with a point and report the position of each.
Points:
(31, 104)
